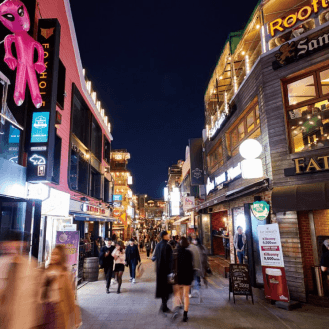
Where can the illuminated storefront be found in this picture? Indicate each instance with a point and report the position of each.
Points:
(270, 85)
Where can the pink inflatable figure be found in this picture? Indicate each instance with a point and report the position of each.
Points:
(14, 16)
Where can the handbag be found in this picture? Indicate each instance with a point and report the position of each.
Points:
(139, 270)
(172, 277)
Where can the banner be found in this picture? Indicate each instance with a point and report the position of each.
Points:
(197, 176)
(188, 202)
(275, 283)
(70, 240)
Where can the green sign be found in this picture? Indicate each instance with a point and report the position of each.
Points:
(260, 209)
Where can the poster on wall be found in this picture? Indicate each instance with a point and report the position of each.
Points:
(275, 283)
(70, 240)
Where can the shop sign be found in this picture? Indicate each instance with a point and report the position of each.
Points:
(117, 197)
(220, 181)
(116, 213)
(188, 202)
(42, 130)
(284, 23)
(93, 209)
(68, 227)
(260, 209)
(70, 241)
(217, 125)
(308, 166)
(291, 52)
(37, 191)
(117, 204)
(271, 256)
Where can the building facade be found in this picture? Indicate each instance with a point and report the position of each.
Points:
(270, 84)
(57, 146)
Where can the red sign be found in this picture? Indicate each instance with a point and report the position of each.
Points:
(275, 283)
(116, 213)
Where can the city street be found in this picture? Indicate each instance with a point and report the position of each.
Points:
(136, 307)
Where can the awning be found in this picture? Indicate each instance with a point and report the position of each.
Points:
(301, 197)
(180, 221)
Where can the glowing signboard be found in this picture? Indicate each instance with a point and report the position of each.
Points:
(37, 160)
(117, 197)
(40, 125)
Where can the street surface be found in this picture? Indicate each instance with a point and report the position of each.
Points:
(136, 307)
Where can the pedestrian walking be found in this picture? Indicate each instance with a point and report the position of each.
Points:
(185, 272)
(58, 295)
(19, 283)
(154, 242)
(141, 243)
(163, 257)
(120, 260)
(148, 247)
(106, 261)
(204, 260)
(197, 265)
(132, 259)
(239, 243)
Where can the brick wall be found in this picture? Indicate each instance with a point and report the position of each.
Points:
(307, 249)
(321, 222)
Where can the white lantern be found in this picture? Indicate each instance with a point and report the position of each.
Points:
(252, 168)
(250, 149)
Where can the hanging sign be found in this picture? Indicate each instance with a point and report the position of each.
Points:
(42, 130)
(271, 256)
(260, 209)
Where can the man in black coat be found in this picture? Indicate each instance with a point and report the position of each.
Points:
(163, 257)
(132, 259)
(106, 261)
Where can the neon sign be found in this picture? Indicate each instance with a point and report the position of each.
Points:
(37, 160)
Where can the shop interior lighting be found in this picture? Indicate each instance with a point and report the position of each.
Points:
(257, 26)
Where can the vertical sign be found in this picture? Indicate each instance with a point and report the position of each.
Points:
(42, 130)
(197, 177)
(70, 240)
(271, 256)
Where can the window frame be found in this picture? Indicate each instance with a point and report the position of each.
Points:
(318, 98)
(212, 168)
(243, 119)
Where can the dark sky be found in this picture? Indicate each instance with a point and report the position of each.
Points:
(150, 62)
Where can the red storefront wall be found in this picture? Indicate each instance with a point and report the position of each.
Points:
(57, 9)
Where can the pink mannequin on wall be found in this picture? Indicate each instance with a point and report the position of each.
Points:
(14, 16)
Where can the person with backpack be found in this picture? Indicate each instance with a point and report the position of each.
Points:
(106, 261)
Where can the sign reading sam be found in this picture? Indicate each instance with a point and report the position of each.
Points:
(295, 50)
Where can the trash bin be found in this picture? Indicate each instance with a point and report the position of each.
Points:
(318, 280)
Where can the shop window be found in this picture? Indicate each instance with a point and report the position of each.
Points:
(308, 120)
(301, 90)
(83, 174)
(324, 78)
(215, 158)
(80, 118)
(96, 139)
(107, 190)
(95, 184)
(61, 84)
(74, 170)
(107, 150)
(248, 126)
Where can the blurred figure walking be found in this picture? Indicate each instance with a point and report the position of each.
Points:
(120, 260)
(163, 257)
(19, 283)
(58, 295)
(184, 270)
(106, 261)
(132, 259)
(148, 247)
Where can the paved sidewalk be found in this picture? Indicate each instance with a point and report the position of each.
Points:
(136, 307)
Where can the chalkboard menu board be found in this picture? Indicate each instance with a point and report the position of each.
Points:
(240, 281)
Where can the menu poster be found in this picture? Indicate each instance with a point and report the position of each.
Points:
(70, 240)
(270, 245)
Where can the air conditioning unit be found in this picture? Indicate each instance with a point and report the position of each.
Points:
(210, 210)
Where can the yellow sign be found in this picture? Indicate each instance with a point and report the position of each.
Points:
(302, 166)
(301, 15)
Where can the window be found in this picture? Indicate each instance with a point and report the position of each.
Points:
(61, 84)
(95, 184)
(248, 126)
(107, 150)
(96, 139)
(215, 158)
(57, 159)
(80, 118)
(308, 115)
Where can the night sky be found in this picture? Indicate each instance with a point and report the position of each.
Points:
(150, 62)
